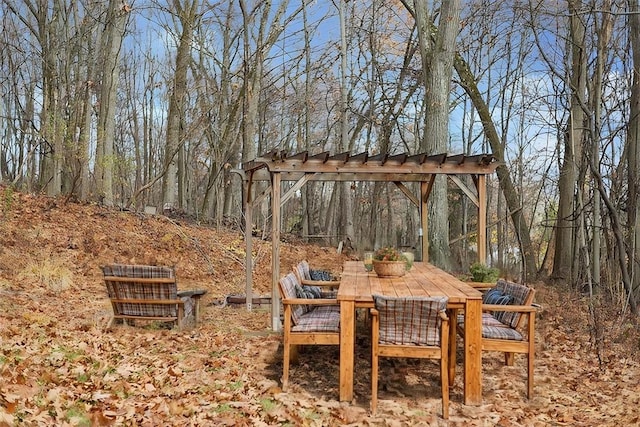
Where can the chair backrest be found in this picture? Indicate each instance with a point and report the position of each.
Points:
(135, 289)
(289, 290)
(520, 295)
(304, 271)
(410, 320)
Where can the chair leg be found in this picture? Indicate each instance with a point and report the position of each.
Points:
(530, 357)
(509, 358)
(375, 349)
(531, 353)
(285, 366)
(374, 381)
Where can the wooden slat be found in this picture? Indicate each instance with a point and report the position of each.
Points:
(400, 158)
(303, 155)
(150, 281)
(127, 316)
(147, 301)
(382, 158)
(359, 158)
(340, 157)
(457, 158)
(437, 158)
(321, 156)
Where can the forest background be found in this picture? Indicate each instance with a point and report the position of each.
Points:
(157, 104)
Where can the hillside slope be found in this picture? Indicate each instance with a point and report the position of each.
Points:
(59, 365)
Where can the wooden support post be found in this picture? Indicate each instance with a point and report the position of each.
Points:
(276, 191)
(248, 240)
(482, 218)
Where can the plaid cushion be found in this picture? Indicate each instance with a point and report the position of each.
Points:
(306, 291)
(328, 294)
(500, 332)
(305, 271)
(495, 296)
(288, 287)
(519, 294)
(410, 320)
(322, 318)
(487, 319)
(322, 275)
(132, 290)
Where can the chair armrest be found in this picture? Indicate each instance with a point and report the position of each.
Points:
(510, 308)
(309, 301)
(320, 282)
(192, 293)
(481, 286)
(147, 301)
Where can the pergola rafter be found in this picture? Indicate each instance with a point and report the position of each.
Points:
(278, 166)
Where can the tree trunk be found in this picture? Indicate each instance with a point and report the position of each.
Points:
(111, 43)
(437, 68)
(632, 143)
(514, 204)
(175, 119)
(565, 247)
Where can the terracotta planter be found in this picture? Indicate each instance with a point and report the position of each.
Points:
(389, 268)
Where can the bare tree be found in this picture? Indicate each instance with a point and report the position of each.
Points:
(437, 53)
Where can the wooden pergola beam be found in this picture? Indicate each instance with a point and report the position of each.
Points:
(277, 166)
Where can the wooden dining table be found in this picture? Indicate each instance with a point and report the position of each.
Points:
(357, 287)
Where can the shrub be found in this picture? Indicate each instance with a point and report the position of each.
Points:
(482, 273)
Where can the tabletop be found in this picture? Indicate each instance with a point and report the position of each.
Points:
(423, 279)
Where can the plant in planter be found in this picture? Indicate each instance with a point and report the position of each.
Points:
(389, 262)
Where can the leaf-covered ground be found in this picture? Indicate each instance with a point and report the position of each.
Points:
(60, 365)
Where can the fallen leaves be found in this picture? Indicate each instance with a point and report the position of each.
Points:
(59, 365)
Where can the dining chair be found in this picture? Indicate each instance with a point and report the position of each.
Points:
(410, 327)
(503, 326)
(307, 321)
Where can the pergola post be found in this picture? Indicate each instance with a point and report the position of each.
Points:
(275, 251)
(424, 221)
(482, 219)
(248, 240)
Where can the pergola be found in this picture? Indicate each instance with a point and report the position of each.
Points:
(277, 166)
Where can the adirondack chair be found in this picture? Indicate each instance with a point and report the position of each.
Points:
(146, 292)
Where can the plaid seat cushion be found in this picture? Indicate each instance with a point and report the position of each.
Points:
(519, 294)
(410, 320)
(288, 286)
(501, 332)
(487, 320)
(324, 318)
(132, 290)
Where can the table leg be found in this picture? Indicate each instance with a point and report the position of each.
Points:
(347, 348)
(473, 352)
